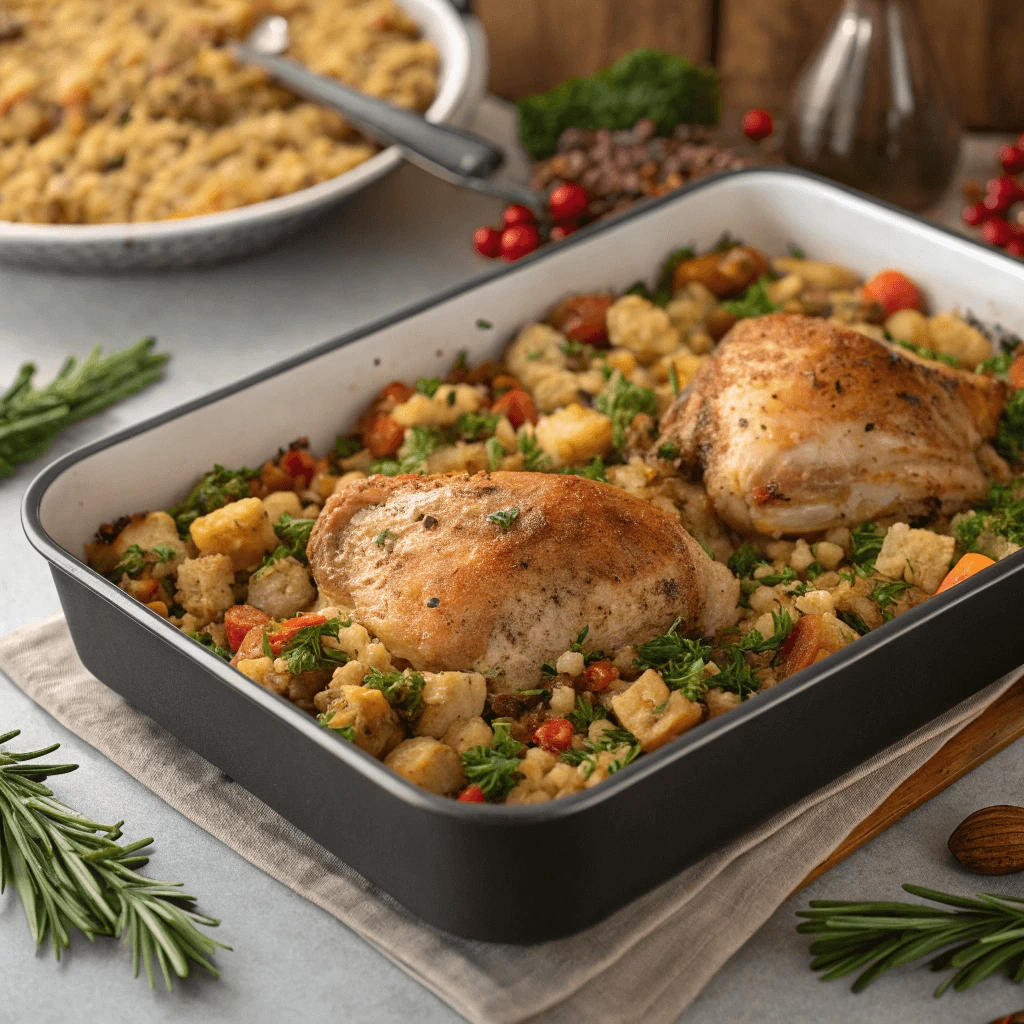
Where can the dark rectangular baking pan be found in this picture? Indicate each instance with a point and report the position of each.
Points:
(509, 873)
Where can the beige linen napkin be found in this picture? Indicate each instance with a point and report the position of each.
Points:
(646, 962)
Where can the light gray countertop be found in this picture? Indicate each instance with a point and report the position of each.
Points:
(405, 238)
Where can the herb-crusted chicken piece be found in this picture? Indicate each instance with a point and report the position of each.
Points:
(798, 425)
(497, 572)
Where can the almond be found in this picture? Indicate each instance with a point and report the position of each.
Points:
(990, 841)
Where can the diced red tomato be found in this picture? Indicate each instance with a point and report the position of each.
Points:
(239, 619)
(472, 795)
(383, 436)
(802, 645)
(600, 675)
(582, 318)
(517, 405)
(555, 735)
(894, 290)
(280, 636)
(298, 464)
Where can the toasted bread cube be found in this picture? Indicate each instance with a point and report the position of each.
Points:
(375, 726)
(910, 325)
(920, 557)
(240, 530)
(446, 405)
(720, 701)
(816, 273)
(642, 327)
(146, 531)
(467, 733)
(653, 713)
(574, 435)
(204, 587)
(277, 503)
(282, 589)
(955, 337)
(447, 697)
(429, 763)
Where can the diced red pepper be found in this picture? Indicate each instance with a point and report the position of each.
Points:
(239, 619)
(383, 436)
(583, 318)
(299, 465)
(517, 405)
(600, 675)
(555, 735)
(472, 795)
(801, 647)
(289, 628)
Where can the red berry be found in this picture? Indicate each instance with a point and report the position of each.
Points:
(487, 241)
(1011, 159)
(517, 214)
(555, 735)
(1002, 193)
(758, 124)
(975, 214)
(1015, 247)
(600, 675)
(560, 231)
(997, 231)
(518, 241)
(472, 795)
(568, 201)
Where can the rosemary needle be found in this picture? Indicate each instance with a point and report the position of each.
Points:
(30, 419)
(984, 935)
(71, 873)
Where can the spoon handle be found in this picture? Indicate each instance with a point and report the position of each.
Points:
(460, 153)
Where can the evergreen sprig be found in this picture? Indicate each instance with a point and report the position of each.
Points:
(982, 936)
(71, 873)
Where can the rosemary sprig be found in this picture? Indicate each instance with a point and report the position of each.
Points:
(982, 936)
(30, 419)
(70, 872)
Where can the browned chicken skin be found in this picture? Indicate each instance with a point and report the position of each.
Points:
(798, 425)
(422, 567)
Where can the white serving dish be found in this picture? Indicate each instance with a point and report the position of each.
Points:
(217, 237)
(672, 806)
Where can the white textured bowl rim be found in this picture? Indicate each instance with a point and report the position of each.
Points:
(455, 54)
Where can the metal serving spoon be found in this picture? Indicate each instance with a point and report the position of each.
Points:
(449, 153)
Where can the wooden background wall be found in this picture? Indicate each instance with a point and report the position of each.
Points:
(758, 46)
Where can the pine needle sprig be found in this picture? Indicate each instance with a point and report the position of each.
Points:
(71, 873)
(982, 936)
(31, 418)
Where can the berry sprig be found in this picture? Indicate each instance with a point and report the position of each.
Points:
(996, 212)
(520, 233)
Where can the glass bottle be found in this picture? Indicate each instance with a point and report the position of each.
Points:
(870, 110)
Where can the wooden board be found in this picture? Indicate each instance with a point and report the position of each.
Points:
(997, 728)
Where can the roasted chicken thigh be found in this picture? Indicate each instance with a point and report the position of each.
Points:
(797, 425)
(498, 572)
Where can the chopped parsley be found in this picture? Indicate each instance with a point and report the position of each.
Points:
(495, 769)
(622, 402)
(548, 671)
(305, 651)
(641, 289)
(680, 662)
(270, 559)
(663, 293)
(1001, 514)
(801, 588)
(673, 378)
(428, 386)
(504, 518)
(346, 447)
(484, 325)
(926, 353)
(383, 537)
(855, 622)
(216, 489)
(886, 594)
(207, 641)
(404, 690)
(589, 657)
(745, 559)
(294, 534)
(667, 451)
(495, 453)
(347, 732)
(755, 643)
(133, 561)
(866, 541)
(593, 470)
(586, 713)
(998, 365)
(417, 448)
(786, 575)
(797, 253)
(534, 458)
(475, 426)
(814, 570)
(1009, 440)
(610, 740)
(753, 302)
(576, 348)
(736, 676)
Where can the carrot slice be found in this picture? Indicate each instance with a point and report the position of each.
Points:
(1016, 372)
(965, 569)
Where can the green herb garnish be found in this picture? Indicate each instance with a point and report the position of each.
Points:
(981, 937)
(610, 740)
(346, 447)
(1002, 514)
(404, 690)
(753, 302)
(680, 662)
(207, 641)
(346, 732)
(495, 453)
(866, 541)
(645, 83)
(667, 451)
(586, 713)
(216, 489)
(745, 559)
(666, 276)
(475, 426)
(855, 622)
(133, 561)
(294, 534)
(886, 594)
(593, 470)
(71, 873)
(755, 643)
(383, 537)
(534, 458)
(622, 402)
(1009, 440)
(504, 518)
(926, 353)
(736, 676)
(305, 651)
(428, 386)
(417, 448)
(495, 769)
(30, 419)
